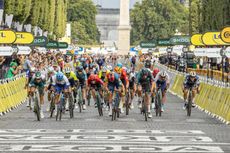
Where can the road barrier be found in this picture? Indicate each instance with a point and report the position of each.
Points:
(213, 99)
(12, 93)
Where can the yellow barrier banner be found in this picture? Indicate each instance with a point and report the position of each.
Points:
(12, 93)
(211, 98)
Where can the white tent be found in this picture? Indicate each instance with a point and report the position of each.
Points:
(42, 49)
(227, 52)
(213, 52)
(200, 52)
(23, 50)
(163, 50)
(178, 49)
(6, 51)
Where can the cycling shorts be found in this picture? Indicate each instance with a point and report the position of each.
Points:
(60, 87)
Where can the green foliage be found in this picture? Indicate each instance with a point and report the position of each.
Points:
(209, 15)
(50, 15)
(153, 19)
(82, 14)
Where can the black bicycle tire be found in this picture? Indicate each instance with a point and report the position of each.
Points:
(127, 105)
(37, 109)
(57, 115)
(71, 106)
(80, 107)
(189, 106)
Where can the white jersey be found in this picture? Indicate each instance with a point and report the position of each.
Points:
(63, 82)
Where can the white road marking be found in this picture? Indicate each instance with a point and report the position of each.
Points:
(105, 138)
(110, 148)
(77, 131)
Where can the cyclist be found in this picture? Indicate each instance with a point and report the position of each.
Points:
(61, 84)
(191, 81)
(145, 83)
(132, 86)
(29, 76)
(95, 84)
(162, 82)
(38, 82)
(113, 83)
(50, 74)
(82, 77)
(73, 80)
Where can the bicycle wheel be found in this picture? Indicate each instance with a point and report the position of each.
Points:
(98, 104)
(37, 109)
(52, 108)
(189, 106)
(127, 104)
(113, 114)
(58, 112)
(71, 106)
(88, 98)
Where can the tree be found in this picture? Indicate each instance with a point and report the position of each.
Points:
(50, 15)
(154, 19)
(82, 15)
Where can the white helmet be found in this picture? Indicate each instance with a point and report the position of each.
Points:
(109, 67)
(163, 74)
(32, 69)
(67, 70)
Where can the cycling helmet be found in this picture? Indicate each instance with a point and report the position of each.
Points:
(119, 65)
(110, 68)
(60, 59)
(32, 70)
(80, 68)
(128, 71)
(67, 70)
(148, 64)
(50, 69)
(59, 76)
(38, 75)
(82, 59)
(192, 73)
(156, 71)
(163, 74)
(104, 69)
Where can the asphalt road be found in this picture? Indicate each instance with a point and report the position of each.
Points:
(87, 132)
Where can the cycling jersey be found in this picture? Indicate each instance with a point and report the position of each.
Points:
(95, 83)
(188, 83)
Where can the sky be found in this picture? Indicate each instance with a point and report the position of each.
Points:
(113, 3)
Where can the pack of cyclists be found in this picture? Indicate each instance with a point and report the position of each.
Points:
(96, 73)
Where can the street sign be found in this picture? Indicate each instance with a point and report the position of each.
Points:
(52, 44)
(24, 38)
(225, 34)
(7, 36)
(62, 45)
(163, 42)
(40, 41)
(196, 40)
(180, 40)
(148, 44)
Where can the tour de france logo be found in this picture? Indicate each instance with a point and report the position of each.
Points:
(225, 35)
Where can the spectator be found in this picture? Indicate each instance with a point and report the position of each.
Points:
(13, 70)
(2, 71)
(201, 63)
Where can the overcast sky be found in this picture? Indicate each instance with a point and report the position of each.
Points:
(113, 3)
